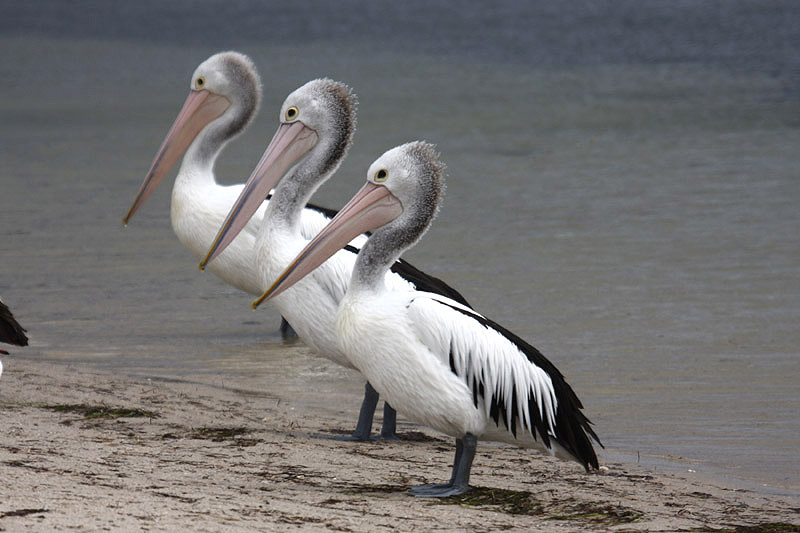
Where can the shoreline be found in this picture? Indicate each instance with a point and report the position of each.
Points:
(85, 449)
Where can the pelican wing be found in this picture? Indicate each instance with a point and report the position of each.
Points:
(10, 330)
(327, 212)
(425, 282)
(510, 379)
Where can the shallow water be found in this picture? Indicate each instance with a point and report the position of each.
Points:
(623, 192)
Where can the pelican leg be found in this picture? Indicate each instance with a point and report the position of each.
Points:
(419, 490)
(365, 416)
(459, 480)
(389, 428)
(286, 329)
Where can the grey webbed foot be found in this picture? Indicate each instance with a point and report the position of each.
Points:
(459, 480)
(439, 491)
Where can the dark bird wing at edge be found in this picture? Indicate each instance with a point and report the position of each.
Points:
(10, 330)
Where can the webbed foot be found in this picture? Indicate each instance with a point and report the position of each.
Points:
(443, 490)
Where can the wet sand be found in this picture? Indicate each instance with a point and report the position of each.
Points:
(85, 450)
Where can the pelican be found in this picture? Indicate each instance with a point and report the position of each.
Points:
(225, 93)
(438, 362)
(10, 330)
(317, 125)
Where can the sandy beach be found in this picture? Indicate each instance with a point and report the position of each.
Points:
(88, 451)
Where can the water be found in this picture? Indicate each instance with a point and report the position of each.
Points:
(623, 192)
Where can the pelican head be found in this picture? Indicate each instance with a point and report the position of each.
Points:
(317, 123)
(328, 108)
(224, 92)
(398, 202)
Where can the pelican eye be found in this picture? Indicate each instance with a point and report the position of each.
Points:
(381, 175)
(200, 82)
(292, 113)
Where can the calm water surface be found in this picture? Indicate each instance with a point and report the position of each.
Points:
(623, 192)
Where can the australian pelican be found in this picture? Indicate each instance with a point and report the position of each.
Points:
(436, 361)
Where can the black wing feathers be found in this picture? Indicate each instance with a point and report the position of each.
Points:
(425, 282)
(330, 213)
(10, 330)
(572, 429)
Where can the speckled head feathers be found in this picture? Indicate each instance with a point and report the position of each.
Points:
(233, 75)
(328, 107)
(415, 175)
